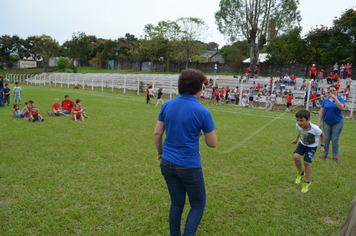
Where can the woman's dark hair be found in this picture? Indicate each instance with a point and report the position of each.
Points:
(332, 86)
(190, 81)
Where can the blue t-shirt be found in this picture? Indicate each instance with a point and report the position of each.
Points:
(332, 114)
(184, 117)
(6, 90)
(159, 95)
(250, 92)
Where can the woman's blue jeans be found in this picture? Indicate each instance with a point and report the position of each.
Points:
(332, 132)
(1, 90)
(180, 181)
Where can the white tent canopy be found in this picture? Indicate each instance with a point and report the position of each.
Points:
(262, 58)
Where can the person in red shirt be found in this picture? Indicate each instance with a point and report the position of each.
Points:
(248, 72)
(313, 99)
(289, 100)
(348, 78)
(336, 78)
(147, 93)
(330, 78)
(337, 85)
(77, 113)
(56, 109)
(313, 71)
(256, 71)
(35, 115)
(67, 105)
(222, 95)
(293, 80)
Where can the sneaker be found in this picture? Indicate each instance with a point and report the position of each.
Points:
(82, 119)
(299, 178)
(75, 120)
(306, 187)
(335, 159)
(324, 157)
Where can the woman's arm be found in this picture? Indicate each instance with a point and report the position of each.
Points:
(159, 130)
(321, 114)
(339, 105)
(210, 138)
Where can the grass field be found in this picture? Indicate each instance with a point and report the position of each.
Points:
(101, 176)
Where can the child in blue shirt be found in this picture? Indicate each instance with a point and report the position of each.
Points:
(6, 93)
(159, 99)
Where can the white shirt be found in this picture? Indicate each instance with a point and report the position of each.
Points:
(309, 138)
(150, 91)
(273, 97)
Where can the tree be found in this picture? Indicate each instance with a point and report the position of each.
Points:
(212, 46)
(10, 45)
(255, 20)
(236, 53)
(192, 30)
(79, 48)
(62, 63)
(44, 47)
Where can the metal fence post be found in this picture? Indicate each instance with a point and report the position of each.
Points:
(61, 80)
(308, 96)
(102, 84)
(138, 86)
(170, 93)
(113, 85)
(125, 84)
(92, 83)
(83, 80)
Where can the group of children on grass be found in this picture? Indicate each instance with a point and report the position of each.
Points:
(150, 95)
(31, 113)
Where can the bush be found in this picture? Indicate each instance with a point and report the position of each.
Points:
(10, 64)
(67, 70)
(74, 69)
(62, 63)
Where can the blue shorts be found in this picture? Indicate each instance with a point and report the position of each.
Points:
(64, 111)
(308, 151)
(151, 96)
(17, 97)
(314, 104)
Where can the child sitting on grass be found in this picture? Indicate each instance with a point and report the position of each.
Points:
(56, 109)
(77, 113)
(308, 135)
(16, 112)
(35, 115)
(78, 101)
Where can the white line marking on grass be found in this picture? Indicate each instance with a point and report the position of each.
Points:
(251, 135)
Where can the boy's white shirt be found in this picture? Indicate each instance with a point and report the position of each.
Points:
(309, 138)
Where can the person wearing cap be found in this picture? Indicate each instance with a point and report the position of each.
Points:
(313, 71)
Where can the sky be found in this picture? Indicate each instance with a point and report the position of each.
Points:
(111, 19)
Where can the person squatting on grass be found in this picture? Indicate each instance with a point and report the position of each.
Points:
(333, 121)
(35, 115)
(77, 113)
(159, 97)
(78, 101)
(349, 228)
(308, 135)
(184, 120)
(16, 112)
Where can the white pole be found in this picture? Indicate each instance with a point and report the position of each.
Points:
(49, 78)
(68, 81)
(353, 102)
(102, 84)
(32, 79)
(153, 83)
(55, 80)
(27, 78)
(83, 80)
(138, 86)
(92, 83)
(44, 80)
(170, 95)
(113, 85)
(75, 80)
(61, 80)
(125, 84)
(35, 80)
(308, 97)
(241, 90)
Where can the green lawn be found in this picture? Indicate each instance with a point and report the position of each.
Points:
(101, 177)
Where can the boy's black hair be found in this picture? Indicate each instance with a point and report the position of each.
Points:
(26, 103)
(16, 105)
(303, 114)
(66, 96)
(150, 86)
(17, 83)
(30, 101)
(77, 101)
(6, 84)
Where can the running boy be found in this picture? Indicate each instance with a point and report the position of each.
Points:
(17, 93)
(308, 135)
(160, 95)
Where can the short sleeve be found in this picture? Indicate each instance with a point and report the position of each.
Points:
(323, 104)
(208, 123)
(341, 100)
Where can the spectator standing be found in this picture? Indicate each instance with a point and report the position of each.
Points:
(313, 71)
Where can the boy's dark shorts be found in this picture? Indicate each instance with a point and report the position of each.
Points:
(308, 151)
(289, 105)
(250, 98)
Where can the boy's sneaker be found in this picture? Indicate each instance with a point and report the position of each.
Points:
(299, 178)
(335, 159)
(324, 157)
(306, 187)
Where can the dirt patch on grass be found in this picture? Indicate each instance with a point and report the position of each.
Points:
(329, 220)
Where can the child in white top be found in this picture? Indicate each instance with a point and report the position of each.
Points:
(202, 96)
(273, 99)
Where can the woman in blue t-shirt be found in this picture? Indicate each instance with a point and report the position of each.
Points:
(333, 121)
(184, 120)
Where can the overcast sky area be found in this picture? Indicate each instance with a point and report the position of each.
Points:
(111, 19)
